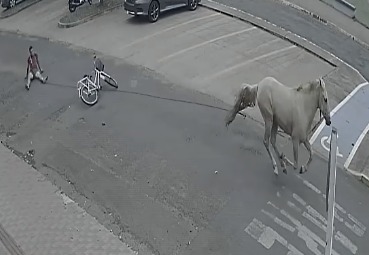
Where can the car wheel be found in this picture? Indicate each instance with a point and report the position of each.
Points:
(154, 11)
(12, 3)
(192, 5)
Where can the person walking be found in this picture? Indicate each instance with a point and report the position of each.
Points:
(33, 68)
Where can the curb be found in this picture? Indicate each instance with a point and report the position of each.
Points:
(279, 32)
(17, 10)
(88, 18)
(361, 177)
(326, 22)
(273, 29)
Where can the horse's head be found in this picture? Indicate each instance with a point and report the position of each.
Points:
(323, 102)
(245, 98)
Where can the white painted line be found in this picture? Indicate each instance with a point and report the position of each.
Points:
(340, 208)
(339, 218)
(355, 229)
(273, 205)
(279, 221)
(357, 222)
(166, 30)
(267, 236)
(342, 103)
(316, 214)
(204, 43)
(346, 242)
(311, 239)
(299, 199)
(293, 206)
(250, 61)
(356, 147)
(309, 185)
(314, 221)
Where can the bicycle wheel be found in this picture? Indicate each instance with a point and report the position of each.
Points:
(110, 80)
(89, 98)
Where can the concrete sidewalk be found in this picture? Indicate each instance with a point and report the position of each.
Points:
(333, 16)
(36, 218)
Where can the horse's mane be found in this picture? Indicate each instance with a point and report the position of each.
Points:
(307, 87)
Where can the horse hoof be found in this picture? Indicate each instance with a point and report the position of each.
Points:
(302, 170)
(276, 172)
(285, 171)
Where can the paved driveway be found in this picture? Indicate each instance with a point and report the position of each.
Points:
(202, 50)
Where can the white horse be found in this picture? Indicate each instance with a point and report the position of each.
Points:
(291, 109)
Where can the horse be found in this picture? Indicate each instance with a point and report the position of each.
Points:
(291, 109)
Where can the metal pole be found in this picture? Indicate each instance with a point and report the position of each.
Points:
(331, 194)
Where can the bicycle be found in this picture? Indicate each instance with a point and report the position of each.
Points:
(88, 89)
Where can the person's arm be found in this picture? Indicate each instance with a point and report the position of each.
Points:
(38, 63)
(27, 68)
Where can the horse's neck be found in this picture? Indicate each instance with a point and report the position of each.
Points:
(254, 90)
(310, 105)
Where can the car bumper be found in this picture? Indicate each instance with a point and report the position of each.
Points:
(136, 9)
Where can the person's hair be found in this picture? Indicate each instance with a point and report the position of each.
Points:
(30, 48)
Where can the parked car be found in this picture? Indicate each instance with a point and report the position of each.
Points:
(9, 3)
(153, 8)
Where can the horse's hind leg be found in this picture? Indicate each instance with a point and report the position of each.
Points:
(273, 140)
(268, 128)
(295, 145)
(303, 168)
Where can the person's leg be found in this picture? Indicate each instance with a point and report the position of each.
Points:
(40, 77)
(29, 79)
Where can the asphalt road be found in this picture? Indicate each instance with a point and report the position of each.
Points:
(306, 26)
(148, 154)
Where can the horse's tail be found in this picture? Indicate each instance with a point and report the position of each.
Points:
(246, 97)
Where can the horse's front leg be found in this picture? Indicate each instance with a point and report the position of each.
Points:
(267, 133)
(308, 147)
(273, 140)
(295, 145)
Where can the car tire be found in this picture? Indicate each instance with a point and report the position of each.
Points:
(192, 5)
(12, 3)
(153, 11)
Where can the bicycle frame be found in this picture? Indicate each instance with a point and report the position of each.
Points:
(95, 84)
(91, 86)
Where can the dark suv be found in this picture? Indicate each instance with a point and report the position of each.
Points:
(153, 8)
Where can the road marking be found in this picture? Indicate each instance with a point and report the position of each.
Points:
(327, 139)
(356, 147)
(342, 103)
(297, 217)
(204, 43)
(356, 222)
(358, 228)
(309, 184)
(267, 236)
(352, 129)
(166, 30)
(227, 70)
(293, 206)
(279, 221)
(346, 242)
(299, 199)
